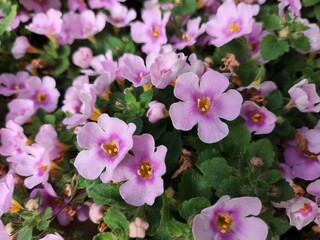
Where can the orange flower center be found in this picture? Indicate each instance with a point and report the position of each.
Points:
(155, 32)
(145, 170)
(110, 148)
(223, 222)
(40, 97)
(185, 37)
(234, 28)
(256, 117)
(204, 104)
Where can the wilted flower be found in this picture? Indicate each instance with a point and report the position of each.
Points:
(304, 97)
(106, 143)
(259, 120)
(231, 21)
(138, 228)
(204, 103)
(228, 219)
(152, 31)
(142, 172)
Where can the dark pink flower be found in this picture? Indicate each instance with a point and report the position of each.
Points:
(40, 6)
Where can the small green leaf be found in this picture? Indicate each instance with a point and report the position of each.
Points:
(6, 22)
(177, 229)
(261, 149)
(271, 22)
(185, 7)
(116, 220)
(317, 12)
(230, 186)
(281, 191)
(272, 48)
(272, 176)
(106, 194)
(25, 233)
(309, 3)
(105, 236)
(193, 206)
(145, 98)
(45, 220)
(301, 43)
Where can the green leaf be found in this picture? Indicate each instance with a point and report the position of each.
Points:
(237, 140)
(272, 48)
(261, 149)
(172, 140)
(117, 221)
(145, 98)
(248, 72)
(215, 171)
(6, 22)
(301, 43)
(177, 229)
(317, 12)
(230, 186)
(25, 233)
(185, 7)
(193, 206)
(281, 191)
(272, 176)
(274, 100)
(106, 194)
(105, 236)
(271, 22)
(309, 3)
(207, 155)
(45, 220)
(192, 185)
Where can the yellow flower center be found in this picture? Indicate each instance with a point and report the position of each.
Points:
(145, 170)
(110, 148)
(15, 207)
(223, 222)
(306, 208)
(204, 104)
(185, 37)
(256, 117)
(40, 97)
(234, 28)
(155, 32)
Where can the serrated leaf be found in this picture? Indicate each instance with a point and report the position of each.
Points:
(248, 72)
(274, 100)
(272, 176)
(281, 191)
(207, 155)
(6, 22)
(185, 7)
(271, 22)
(261, 149)
(45, 219)
(116, 220)
(193, 206)
(272, 48)
(145, 98)
(25, 233)
(215, 171)
(301, 43)
(177, 229)
(230, 186)
(106, 194)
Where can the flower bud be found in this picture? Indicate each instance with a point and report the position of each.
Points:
(156, 111)
(82, 57)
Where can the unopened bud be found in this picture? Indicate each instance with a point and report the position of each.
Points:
(256, 162)
(274, 191)
(32, 204)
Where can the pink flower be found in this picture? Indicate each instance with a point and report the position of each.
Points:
(205, 103)
(20, 111)
(254, 38)
(6, 187)
(142, 172)
(106, 143)
(102, 63)
(304, 97)
(13, 83)
(166, 68)
(120, 16)
(152, 31)
(259, 120)
(263, 89)
(314, 189)
(156, 112)
(96, 213)
(35, 166)
(47, 137)
(189, 37)
(138, 228)
(134, 70)
(48, 24)
(40, 6)
(20, 47)
(82, 57)
(43, 93)
(55, 236)
(294, 7)
(313, 34)
(4, 235)
(231, 21)
(74, 5)
(228, 219)
(302, 212)
(107, 4)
